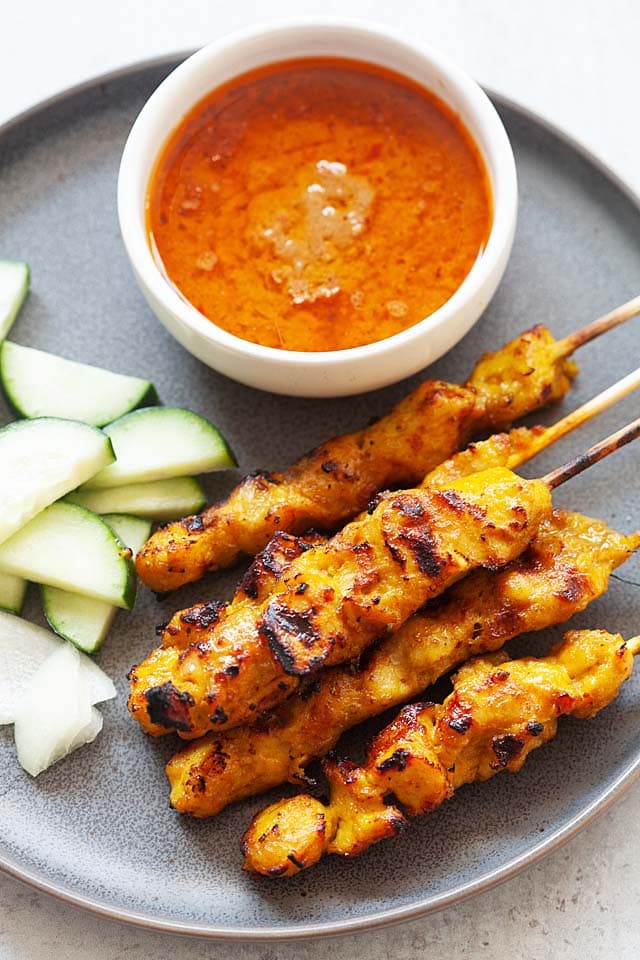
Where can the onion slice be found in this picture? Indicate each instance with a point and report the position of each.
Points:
(24, 647)
(54, 716)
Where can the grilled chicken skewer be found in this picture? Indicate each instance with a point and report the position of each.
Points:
(500, 450)
(335, 481)
(565, 568)
(499, 711)
(335, 600)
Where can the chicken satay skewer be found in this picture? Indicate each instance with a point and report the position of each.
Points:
(567, 567)
(499, 711)
(335, 600)
(521, 444)
(500, 450)
(335, 481)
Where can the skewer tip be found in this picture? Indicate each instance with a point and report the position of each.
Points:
(595, 329)
(593, 455)
(633, 645)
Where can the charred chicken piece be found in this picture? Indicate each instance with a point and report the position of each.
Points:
(334, 482)
(499, 711)
(335, 600)
(565, 568)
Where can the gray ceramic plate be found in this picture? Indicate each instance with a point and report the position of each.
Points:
(97, 829)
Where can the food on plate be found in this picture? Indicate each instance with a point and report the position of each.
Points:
(41, 461)
(158, 500)
(318, 204)
(39, 384)
(337, 598)
(337, 480)
(12, 592)
(157, 443)
(564, 569)
(48, 727)
(83, 620)
(14, 286)
(71, 548)
(24, 647)
(499, 711)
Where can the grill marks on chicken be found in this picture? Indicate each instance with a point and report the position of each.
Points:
(360, 586)
(499, 711)
(561, 572)
(336, 481)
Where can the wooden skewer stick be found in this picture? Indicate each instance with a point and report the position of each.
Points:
(595, 329)
(593, 455)
(584, 413)
(633, 645)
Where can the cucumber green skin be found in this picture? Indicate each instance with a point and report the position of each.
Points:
(232, 460)
(131, 586)
(54, 623)
(148, 398)
(7, 322)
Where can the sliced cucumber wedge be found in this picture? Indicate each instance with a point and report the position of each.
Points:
(159, 500)
(161, 442)
(69, 547)
(14, 286)
(23, 649)
(12, 591)
(39, 384)
(40, 461)
(84, 621)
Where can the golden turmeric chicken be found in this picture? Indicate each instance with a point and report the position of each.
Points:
(336, 599)
(333, 483)
(499, 711)
(561, 572)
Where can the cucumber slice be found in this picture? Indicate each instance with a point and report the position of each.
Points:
(69, 547)
(12, 591)
(160, 500)
(14, 286)
(133, 532)
(161, 442)
(40, 461)
(23, 649)
(84, 621)
(39, 384)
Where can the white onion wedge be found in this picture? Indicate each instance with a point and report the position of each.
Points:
(54, 713)
(24, 647)
(90, 732)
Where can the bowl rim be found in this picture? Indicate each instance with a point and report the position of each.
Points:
(136, 169)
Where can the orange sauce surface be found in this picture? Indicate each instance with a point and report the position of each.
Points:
(318, 204)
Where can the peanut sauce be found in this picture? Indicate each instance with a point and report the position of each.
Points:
(318, 204)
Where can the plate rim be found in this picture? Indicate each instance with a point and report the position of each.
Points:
(385, 916)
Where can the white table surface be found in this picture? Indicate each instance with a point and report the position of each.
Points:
(577, 63)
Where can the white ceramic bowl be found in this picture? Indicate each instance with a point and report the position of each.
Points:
(339, 372)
